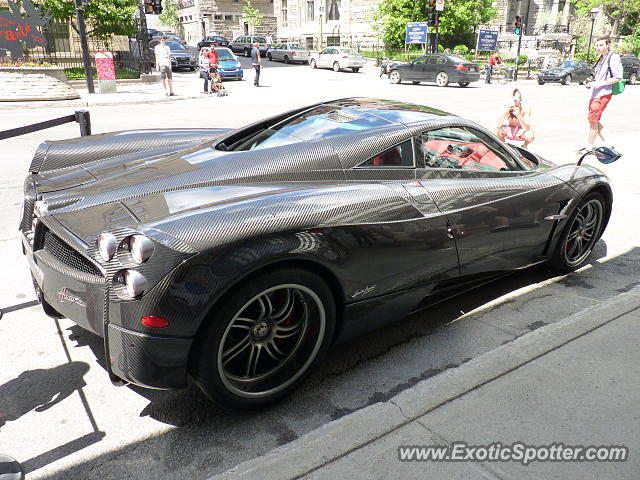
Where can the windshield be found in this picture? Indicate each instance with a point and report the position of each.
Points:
(259, 40)
(348, 50)
(457, 59)
(293, 45)
(225, 55)
(175, 46)
(319, 122)
(567, 65)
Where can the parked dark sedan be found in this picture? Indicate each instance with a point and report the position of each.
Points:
(439, 68)
(181, 56)
(209, 41)
(631, 67)
(239, 256)
(567, 72)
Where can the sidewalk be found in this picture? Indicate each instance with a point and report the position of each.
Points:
(575, 382)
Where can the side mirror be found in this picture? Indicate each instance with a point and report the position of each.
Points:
(603, 154)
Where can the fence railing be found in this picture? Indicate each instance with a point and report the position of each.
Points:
(80, 116)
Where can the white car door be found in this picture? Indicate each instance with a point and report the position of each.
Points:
(324, 59)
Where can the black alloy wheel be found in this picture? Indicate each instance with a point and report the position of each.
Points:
(566, 80)
(582, 231)
(265, 339)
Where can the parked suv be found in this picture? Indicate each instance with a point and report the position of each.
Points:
(631, 68)
(210, 40)
(245, 43)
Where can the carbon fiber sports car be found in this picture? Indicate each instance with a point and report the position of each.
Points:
(236, 257)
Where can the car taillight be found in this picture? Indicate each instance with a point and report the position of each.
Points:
(154, 321)
(461, 67)
(345, 56)
(293, 54)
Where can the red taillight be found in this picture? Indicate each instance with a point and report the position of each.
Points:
(154, 321)
(293, 54)
(461, 67)
(346, 56)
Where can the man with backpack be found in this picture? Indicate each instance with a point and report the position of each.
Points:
(607, 72)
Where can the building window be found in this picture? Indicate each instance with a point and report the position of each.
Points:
(333, 9)
(311, 9)
(333, 41)
(217, 16)
(228, 17)
(284, 13)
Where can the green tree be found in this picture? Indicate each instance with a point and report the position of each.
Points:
(103, 18)
(169, 15)
(457, 21)
(252, 15)
(624, 14)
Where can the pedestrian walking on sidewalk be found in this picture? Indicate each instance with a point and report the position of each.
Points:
(163, 64)
(607, 71)
(203, 63)
(256, 61)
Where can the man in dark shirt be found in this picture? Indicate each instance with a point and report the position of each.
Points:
(256, 61)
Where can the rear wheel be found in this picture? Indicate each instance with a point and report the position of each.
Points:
(633, 78)
(247, 52)
(394, 76)
(540, 81)
(566, 80)
(356, 69)
(269, 57)
(269, 334)
(312, 63)
(464, 84)
(286, 59)
(582, 231)
(336, 67)
(442, 79)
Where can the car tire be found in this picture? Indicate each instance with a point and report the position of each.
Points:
(587, 220)
(566, 80)
(356, 69)
(416, 82)
(192, 68)
(247, 52)
(394, 76)
(336, 67)
(286, 59)
(464, 84)
(633, 78)
(312, 63)
(268, 335)
(269, 57)
(442, 79)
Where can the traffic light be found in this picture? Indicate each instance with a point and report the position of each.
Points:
(148, 7)
(518, 25)
(157, 7)
(432, 15)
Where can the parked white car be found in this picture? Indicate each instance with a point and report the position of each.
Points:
(337, 58)
(288, 53)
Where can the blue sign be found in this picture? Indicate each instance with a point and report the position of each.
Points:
(416, 32)
(487, 40)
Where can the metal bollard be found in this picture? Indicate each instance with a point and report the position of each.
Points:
(84, 119)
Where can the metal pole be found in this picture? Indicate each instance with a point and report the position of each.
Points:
(435, 49)
(593, 20)
(515, 73)
(86, 59)
(84, 119)
(144, 38)
(526, 24)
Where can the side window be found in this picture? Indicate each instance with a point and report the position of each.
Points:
(326, 50)
(463, 148)
(420, 60)
(432, 60)
(400, 156)
(440, 60)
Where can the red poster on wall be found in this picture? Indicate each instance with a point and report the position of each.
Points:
(105, 66)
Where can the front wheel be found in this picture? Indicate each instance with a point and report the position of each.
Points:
(336, 67)
(312, 63)
(247, 52)
(464, 84)
(394, 76)
(583, 229)
(286, 59)
(566, 80)
(269, 57)
(633, 78)
(265, 339)
(540, 81)
(442, 79)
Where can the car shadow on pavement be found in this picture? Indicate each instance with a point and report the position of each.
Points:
(210, 439)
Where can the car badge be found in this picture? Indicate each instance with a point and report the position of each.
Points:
(65, 297)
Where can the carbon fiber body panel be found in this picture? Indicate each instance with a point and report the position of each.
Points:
(215, 213)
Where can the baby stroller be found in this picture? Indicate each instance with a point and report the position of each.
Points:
(217, 86)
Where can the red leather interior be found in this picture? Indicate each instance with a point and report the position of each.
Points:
(481, 153)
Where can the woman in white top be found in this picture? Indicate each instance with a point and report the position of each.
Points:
(203, 63)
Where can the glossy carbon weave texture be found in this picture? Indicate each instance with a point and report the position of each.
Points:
(381, 237)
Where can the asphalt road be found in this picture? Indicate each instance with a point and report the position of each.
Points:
(61, 417)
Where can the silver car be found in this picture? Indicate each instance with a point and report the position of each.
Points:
(244, 44)
(337, 58)
(288, 53)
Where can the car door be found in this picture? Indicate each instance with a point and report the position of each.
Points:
(324, 58)
(276, 52)
(415, 70)
(430, 68)
(500, 214)
(415, 251)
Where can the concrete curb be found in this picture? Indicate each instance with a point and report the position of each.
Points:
(340, 437)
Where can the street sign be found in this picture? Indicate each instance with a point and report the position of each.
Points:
(439, 5)
(416, 32)
(487, 41)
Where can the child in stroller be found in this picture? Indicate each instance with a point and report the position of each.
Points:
(216, 83)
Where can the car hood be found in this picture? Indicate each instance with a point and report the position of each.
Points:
(229, 63)
(558, 71)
